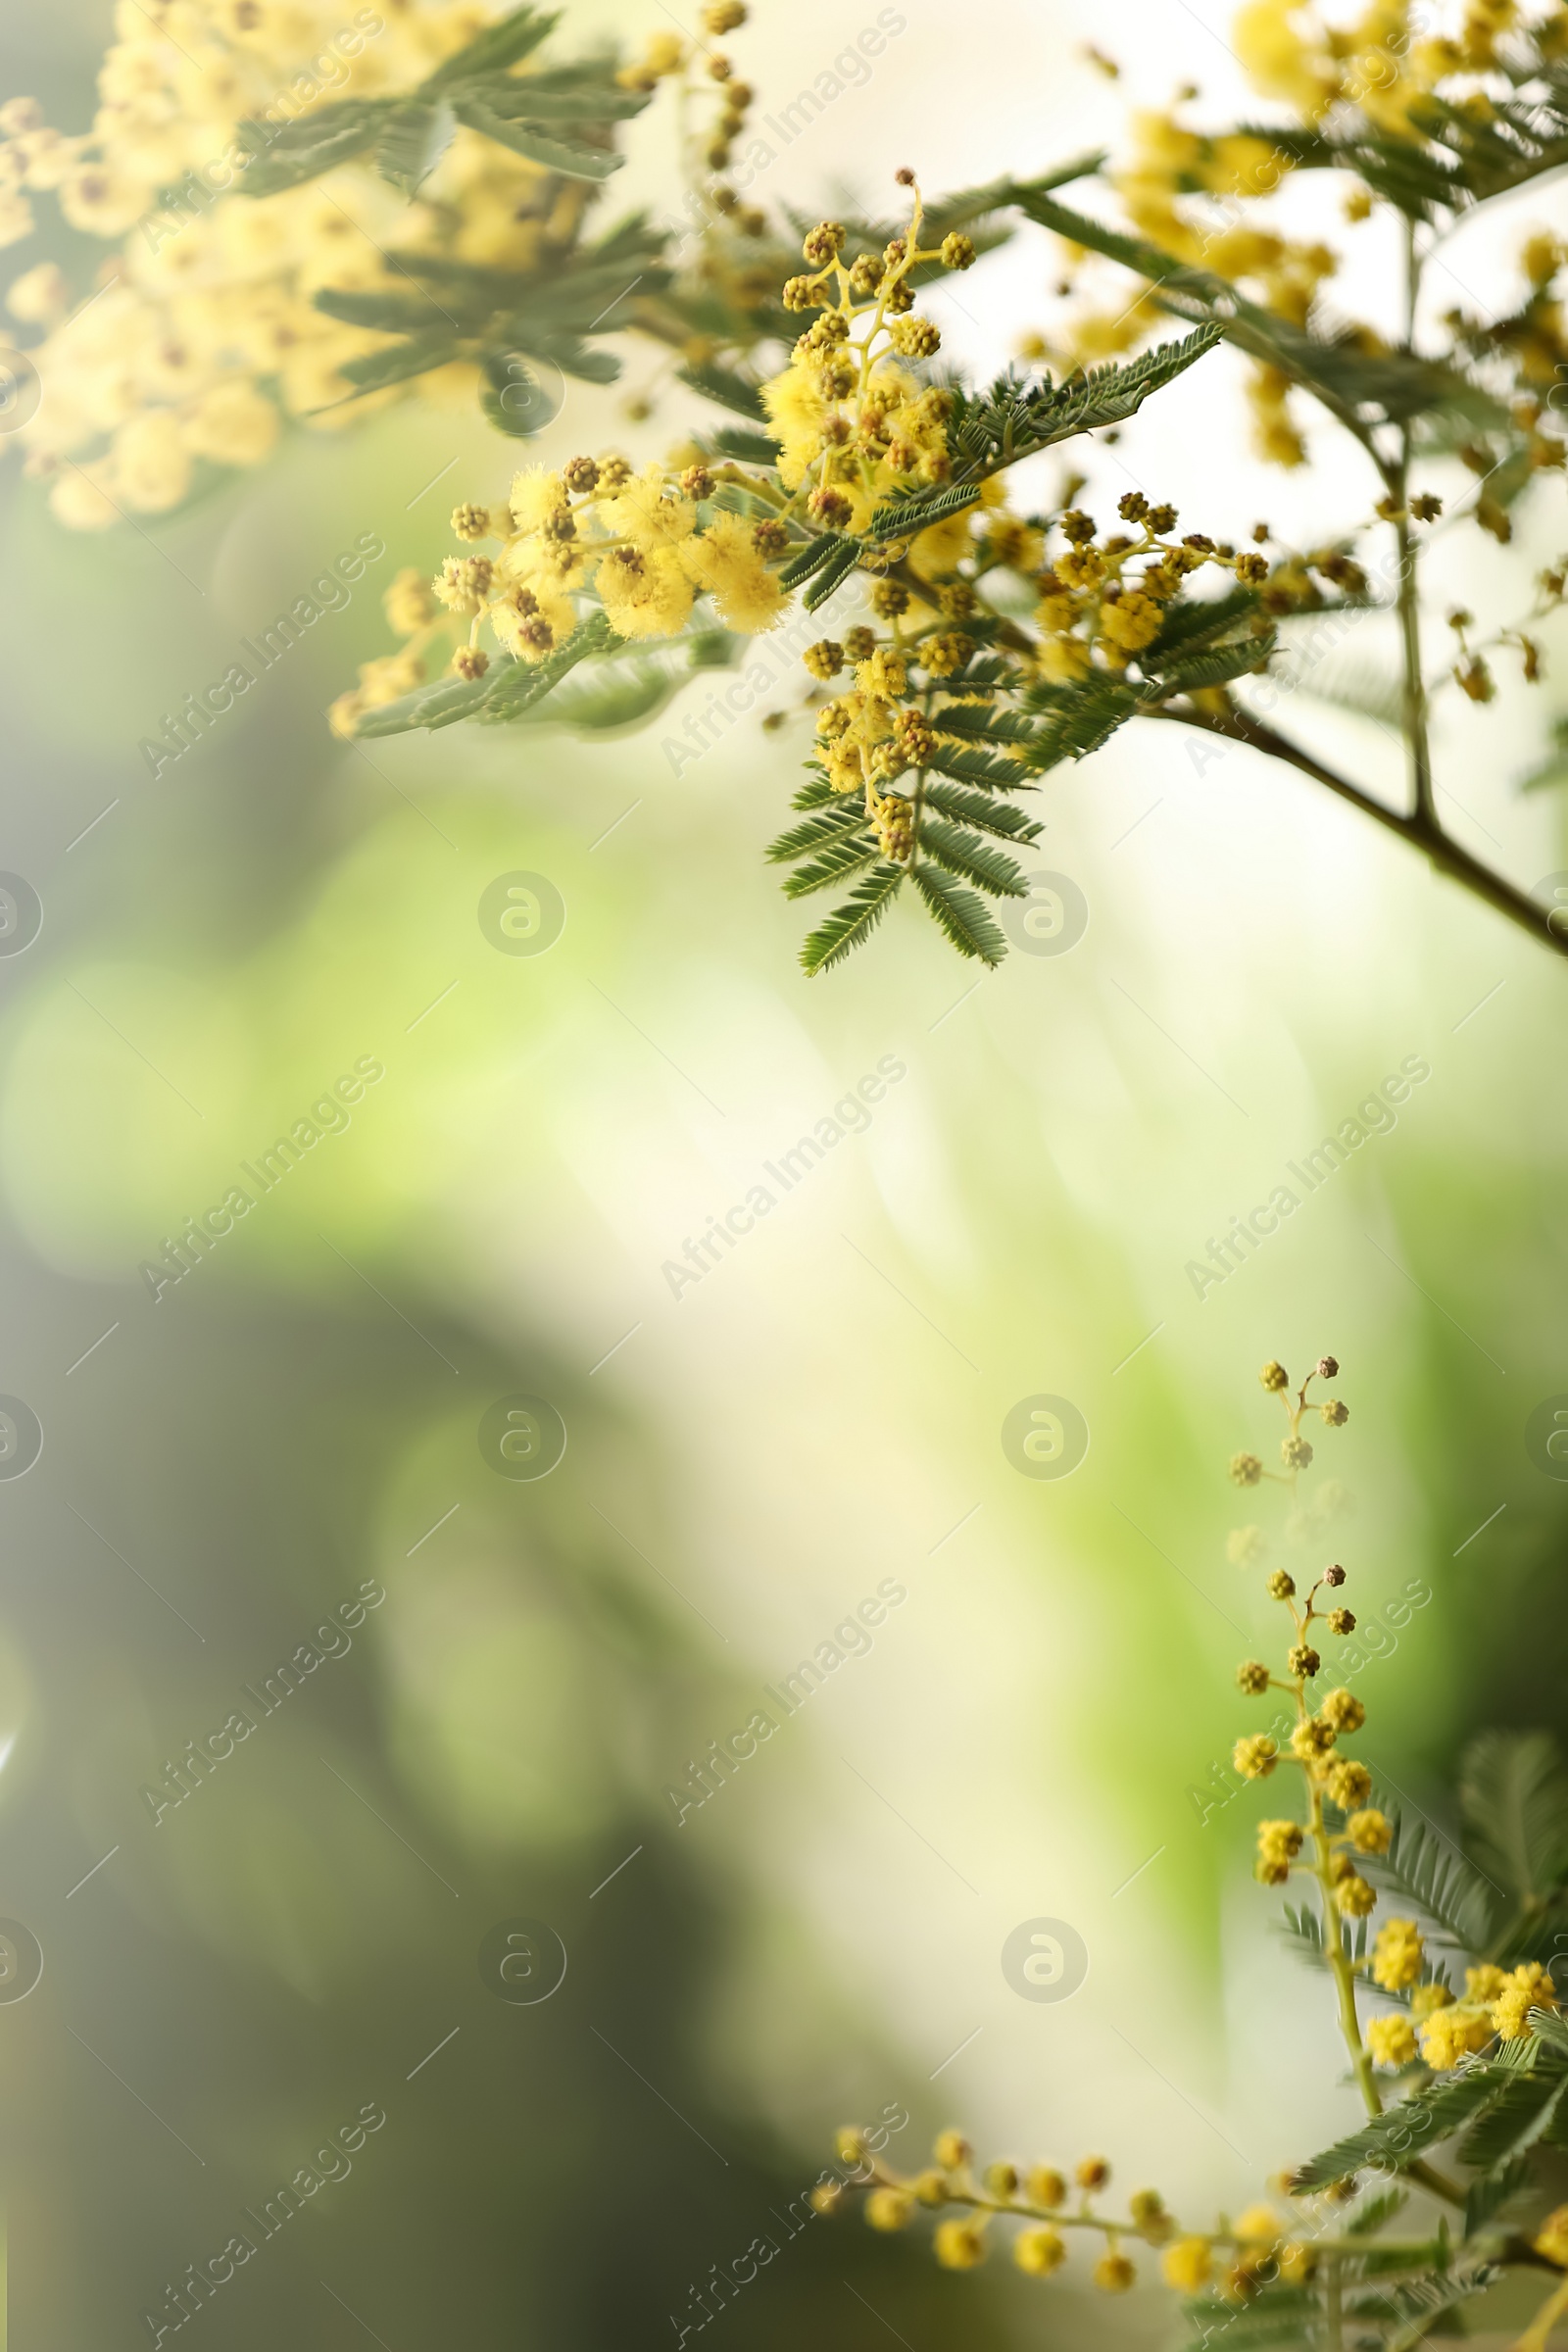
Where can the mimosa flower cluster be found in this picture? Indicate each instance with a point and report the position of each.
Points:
(202, 334)
(1494, 2044)
(857, 426)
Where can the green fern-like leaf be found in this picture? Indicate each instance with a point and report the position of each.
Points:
(555, 149)
(1194, 624)
(1416, 2309)
(1193, 673)
(1017, 419)
(851, 925)
(1303, 1931)
(831, 576)
(991, 771)
(960, 914)
(1409, 2133)
(969, 807)
(1513, 1798)
(516, 691)
(441, 704)
(287, 155)
(977, 723)
(808, 560)
(744, 447)
(1377, 2213)
(1346, 380)
(1360, 687)
(834, 863)
(818, 790)
(964, 853)
(1075, 721)
(1410, 177)
(729, 389)
(396, 364)
(1520, 2117)
(1486, 2198)
(1280, 2315)
(412, 142)
(498, 46)
(1427, 1872)
(843, 815)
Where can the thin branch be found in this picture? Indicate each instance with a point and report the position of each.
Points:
(1420, 831)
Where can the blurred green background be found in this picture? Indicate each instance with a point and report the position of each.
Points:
(1038, 1727)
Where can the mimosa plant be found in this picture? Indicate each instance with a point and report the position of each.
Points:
(417, 218)
(1450, 2020)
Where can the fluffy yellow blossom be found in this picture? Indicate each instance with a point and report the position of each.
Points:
(649, 514)
(1391, 2040)
(531, 623)
(797, 409)
(1187, 2265)
(1348, 1783)
(724, 561)
(1278, 57)
(960, 2245)
(537, 495)
(1369, 1832)
(1529, 1986)
(1311, 1740)
(80, 501)
(38, 296)
(1113, 2274)
(1448, 2035)
(1552, 2238)
(1278, 1844)
(1343, 1710)
(1398, 1955)
(665, 54)
(1255, 1758)
(233, 424)
(1039, 2252)
(644, 594)
(889, 2208)
(409, 603)
(151, 463)
(212, 323)
(1275, 436)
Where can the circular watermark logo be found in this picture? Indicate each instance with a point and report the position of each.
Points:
(1045, 1436)
(521, 913)
(1045, 1960)
(1546, 1437)
(522, 1961)
(21, 1960)
(530, 392)
(20, 914)
(1050, 920)
(21, 1437)
(20, 389)
(520, 1437)
(1552, 892)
